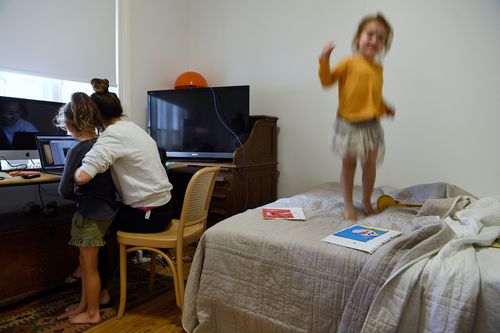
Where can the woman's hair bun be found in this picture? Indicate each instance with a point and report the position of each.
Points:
(100, 85)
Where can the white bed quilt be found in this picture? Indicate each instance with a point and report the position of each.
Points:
(256, 275)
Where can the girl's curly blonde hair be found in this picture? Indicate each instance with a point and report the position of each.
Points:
(82, 113)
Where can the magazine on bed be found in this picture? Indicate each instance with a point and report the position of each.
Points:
(286, 213)
(362, 237)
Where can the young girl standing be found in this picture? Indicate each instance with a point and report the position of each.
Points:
(357, 133)
(96, 205)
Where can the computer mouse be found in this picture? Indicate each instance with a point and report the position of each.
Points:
(31, 176)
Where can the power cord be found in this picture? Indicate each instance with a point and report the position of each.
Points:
(216, 108)
(21, 166)
(47, 194)
(40, 195)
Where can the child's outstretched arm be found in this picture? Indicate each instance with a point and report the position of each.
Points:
(327, 50)
(326, 76)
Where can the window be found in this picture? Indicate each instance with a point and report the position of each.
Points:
(41, 88)
(67, 40)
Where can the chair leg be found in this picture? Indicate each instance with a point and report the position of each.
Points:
(180, 276)
(123, 280)
(175, 277)
(152, 270)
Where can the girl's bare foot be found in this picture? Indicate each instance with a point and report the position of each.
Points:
(350, 214)
(73, 278)
(71, 307)
(368, 209)
(104, 301)
(104, 297)
(85, 318)
(71, 312)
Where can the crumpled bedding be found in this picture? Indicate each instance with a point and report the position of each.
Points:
(255, 275)
(451, 288)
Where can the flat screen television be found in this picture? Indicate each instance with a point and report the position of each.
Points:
(199, 123)
(20, 119)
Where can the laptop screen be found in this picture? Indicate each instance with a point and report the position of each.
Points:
(53, 150)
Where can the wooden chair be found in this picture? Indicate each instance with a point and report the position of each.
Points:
(187, 230)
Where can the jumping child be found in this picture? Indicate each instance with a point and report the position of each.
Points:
(96, 205)
(357, 131)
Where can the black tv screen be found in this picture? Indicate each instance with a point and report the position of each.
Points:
(199, 123)
(20, 119)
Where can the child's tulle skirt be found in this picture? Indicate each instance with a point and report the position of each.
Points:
(358, 139)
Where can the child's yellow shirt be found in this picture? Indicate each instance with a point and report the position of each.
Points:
(360, 87)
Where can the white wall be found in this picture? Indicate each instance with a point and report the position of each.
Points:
(442, 74)
(274, 47)
(156, 50)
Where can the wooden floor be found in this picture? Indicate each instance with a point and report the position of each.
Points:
(160, 315)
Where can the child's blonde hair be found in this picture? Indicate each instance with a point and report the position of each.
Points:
(82, 113)
(362, 25)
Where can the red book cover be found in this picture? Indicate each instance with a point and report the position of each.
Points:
(277, 213)
(287, 213)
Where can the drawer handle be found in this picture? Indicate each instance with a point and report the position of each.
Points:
(217, 211)
(219, 195)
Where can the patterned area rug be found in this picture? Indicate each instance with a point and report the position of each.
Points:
(39, 315)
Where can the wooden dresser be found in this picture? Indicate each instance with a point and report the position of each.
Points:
(248, 181)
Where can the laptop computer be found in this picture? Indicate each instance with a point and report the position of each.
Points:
(53, 150)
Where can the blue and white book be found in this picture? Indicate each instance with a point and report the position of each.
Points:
(362, 237)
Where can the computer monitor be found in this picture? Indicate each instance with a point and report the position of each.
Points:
(20, 120)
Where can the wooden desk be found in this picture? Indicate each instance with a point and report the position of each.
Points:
(18, 180)
(35, 255)
(34, 251)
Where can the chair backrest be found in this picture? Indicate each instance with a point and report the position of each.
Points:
(197, 197)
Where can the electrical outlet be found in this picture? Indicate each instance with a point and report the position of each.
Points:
(139, 258)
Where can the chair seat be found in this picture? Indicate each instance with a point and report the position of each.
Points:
(162, 239)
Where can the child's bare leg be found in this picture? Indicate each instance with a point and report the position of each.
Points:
(92, 287)
(76, 308)
(368, 180)
(347, 182)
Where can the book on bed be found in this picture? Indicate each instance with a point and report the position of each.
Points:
(286, 213)
(362, 237)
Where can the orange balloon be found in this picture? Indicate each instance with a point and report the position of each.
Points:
(190, 80)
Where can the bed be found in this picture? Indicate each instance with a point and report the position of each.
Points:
(440, 275)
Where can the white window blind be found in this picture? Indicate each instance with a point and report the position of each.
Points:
(65, 39)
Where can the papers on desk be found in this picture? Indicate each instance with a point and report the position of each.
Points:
(5, 175)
